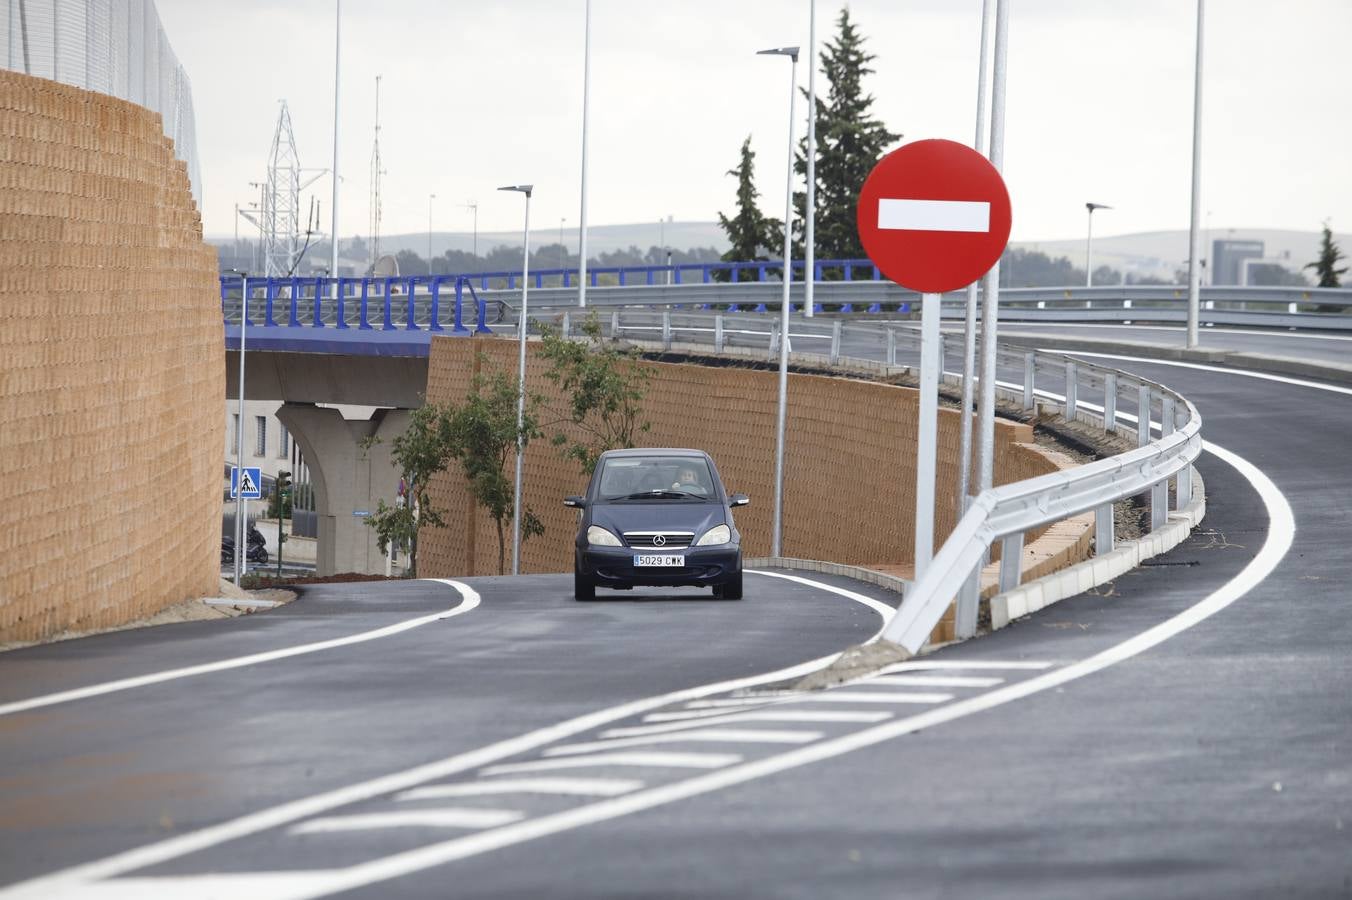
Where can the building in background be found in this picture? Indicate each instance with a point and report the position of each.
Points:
(1228, 257)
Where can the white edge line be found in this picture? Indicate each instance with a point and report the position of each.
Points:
(285, 813)
(1281, 532)
(469, 599)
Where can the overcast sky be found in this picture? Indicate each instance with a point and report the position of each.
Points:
(479, 94)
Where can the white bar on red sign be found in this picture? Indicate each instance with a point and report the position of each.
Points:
(934, 215)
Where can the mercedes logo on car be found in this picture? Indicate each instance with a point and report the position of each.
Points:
(659, 540)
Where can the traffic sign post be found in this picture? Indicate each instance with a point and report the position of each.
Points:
(934, 216)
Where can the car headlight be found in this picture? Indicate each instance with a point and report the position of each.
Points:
(719, 534)
(599, 537)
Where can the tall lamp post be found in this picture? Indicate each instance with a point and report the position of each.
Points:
(475, 208)
(1089, 244)
(526, 189)
(430, 198)
(240, 531)
(777, 530)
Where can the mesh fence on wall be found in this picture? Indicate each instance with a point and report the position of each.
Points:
(114, 47)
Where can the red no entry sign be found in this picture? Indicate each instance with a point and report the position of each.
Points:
(934, 216)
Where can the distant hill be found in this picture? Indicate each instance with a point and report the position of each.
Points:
(1152, 253)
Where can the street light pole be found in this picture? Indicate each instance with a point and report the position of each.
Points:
(1089, 244)
(430, 198)
(810, 210)
(337, 68)
(777, 531)
(990, 296)
(586, 114)
(1194, 247)
(475, 208)
(240, 531)
(526, 189)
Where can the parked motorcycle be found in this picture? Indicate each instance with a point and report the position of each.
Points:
(256, 551)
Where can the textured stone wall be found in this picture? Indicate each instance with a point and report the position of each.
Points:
(111, 367)
(849, 492)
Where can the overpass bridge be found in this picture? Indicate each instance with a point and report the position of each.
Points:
(317, 342)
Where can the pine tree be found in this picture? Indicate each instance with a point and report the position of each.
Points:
(751, 234)
(849, 144)
(1329, 256)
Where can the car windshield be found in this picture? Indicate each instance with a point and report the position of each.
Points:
(673, 478)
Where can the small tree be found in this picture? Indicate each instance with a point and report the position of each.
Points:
(482, 434)
(602, 390)
(420, 452)
(751, 234)
(1326, 266)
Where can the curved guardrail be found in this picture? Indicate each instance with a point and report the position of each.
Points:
(1007, 512)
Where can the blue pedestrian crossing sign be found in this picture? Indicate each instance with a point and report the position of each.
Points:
(249, 485)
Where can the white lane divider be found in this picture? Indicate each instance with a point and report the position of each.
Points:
(710, 735)
(973, 664)
(725, 703)
(850, 696)
(573, 787)
(469, 599)
(932, 681)
(786, 715)
(420, 818)
(650, 759)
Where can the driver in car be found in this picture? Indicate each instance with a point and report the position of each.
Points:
(688, 482)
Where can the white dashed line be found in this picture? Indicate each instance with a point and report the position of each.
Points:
(573, 787)
(932, 681)
(840, 696)
(650, 759)
(422, 818)
(711, 735)
(785, 715)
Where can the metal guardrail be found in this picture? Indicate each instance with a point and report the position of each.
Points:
(1007, 512)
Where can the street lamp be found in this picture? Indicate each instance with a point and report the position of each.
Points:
(777, 530)
(563, 249)
(1089, 244)
(239, 429)
(526, 189)
(475, 207)
(430, 198)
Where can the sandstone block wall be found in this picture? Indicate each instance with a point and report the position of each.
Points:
(849, 463)
(111, 367)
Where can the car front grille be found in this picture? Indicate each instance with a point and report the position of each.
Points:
(659, 540)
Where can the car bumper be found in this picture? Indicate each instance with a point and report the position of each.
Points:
(704, 566)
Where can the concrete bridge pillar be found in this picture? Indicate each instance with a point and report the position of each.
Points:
(347, 478)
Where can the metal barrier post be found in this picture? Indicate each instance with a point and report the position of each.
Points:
(891, 347)
(1143, 416)
(293, 319)
(718, 333)
(969, 600)
(364, 312)
(1011, 561)
(1110, 402)
(1029, 374)
(434, 313)
(666, 329)
(1072, 393)
(1159, 505)
(270, 295)
(566, 329)
(1103, 529)
(1183, 490)
(410, 324)
(835, 341)
(388, 324)
(614, 324)
(340, 317)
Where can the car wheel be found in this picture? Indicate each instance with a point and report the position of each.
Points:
(730, 589)
(582, 588)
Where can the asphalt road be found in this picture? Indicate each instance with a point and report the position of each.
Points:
(1217, 762)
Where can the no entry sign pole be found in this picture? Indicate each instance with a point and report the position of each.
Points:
(933, 216)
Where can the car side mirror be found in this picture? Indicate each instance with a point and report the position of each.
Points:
(575, 502)
(739, 500)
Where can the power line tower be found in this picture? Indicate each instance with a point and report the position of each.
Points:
(281, 209)
(376, 172)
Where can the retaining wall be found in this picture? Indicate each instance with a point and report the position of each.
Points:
(111, 367)
(849, 463)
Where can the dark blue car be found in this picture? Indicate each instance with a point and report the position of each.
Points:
(657, 517)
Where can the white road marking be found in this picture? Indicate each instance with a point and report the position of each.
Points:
(837, 695)
(576, 787)
(417, 818)
(652, 759)
(901, 214)
(785, 715)
(689, 714)
(958, 664)
(293, 886)
(1034, 324)
(711, 735)
(1262, 376)
(932, 681)
(730, 702)
(877, 606)
(469, 600)
(85, 877)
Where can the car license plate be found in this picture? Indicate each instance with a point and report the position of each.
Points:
(667, 560)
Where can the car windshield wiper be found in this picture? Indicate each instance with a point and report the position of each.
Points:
(657, 495)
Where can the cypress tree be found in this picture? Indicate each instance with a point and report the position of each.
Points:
(850, 141)
(1326, 265)
(751, 234)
